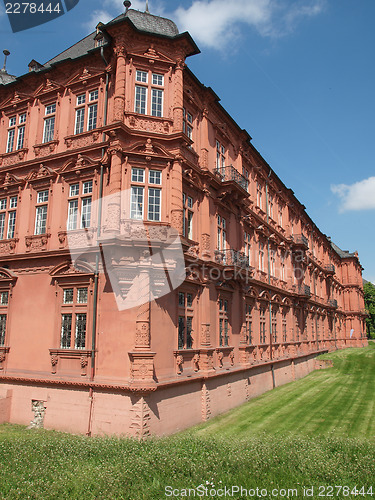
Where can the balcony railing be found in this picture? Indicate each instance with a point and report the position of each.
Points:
(231, 174)
(302, 290)
(332, 303)
(232, 257)
(330, 268)
(300, 240)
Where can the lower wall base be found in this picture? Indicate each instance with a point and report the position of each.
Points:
(167, 410)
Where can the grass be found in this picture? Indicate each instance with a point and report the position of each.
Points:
(271, 442)
(337, 400)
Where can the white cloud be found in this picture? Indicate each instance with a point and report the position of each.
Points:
(216, 22)
(357, 196)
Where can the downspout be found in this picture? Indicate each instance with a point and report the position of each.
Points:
(98, 233)
(269, 281)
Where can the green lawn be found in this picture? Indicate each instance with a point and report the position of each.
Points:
(338, 400)
(247, 447)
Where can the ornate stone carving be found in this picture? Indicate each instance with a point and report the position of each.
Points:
(179, 363)
(142, 367)
(84, 362)
(220, 357)
(231, 357)
(196, 362)
(45, 149)
(2, 359)
(140, 418)
(8, 246)
(54, 361)
(150, 124)
(177, 220)
(205, 335)
(206, 403)
(39, 409)
(206, 245)
(142, 334)
(36, 242)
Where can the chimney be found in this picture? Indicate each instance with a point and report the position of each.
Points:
(6, 54)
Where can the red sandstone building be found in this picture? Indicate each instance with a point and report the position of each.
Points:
(264, 291)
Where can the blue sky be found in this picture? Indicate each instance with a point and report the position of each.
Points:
(299, 76)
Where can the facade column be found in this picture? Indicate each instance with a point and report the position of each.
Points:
(119, 97)
(206, 350)
(141, 358)
(113, 209)
(176, 196)
(204, 137)
(178, 98)
(205, 226)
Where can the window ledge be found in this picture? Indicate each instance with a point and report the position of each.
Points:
(8, 246)
(78, 355)
(7, 159)
(37, 242)
(45, 148)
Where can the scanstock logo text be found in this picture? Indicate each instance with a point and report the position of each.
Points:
(25, 15)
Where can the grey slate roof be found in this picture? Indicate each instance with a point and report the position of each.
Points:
(149, 23)
(77, 50)
(143, 21)
(5, 78)
(341, 253)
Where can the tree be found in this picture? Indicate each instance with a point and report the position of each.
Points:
(369, 290)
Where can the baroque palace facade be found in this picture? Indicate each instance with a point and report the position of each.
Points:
(264, 292)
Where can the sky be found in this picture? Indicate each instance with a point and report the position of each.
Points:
(298, 75)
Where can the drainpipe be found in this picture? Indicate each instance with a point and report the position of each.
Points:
(269, 281)
(96, 274)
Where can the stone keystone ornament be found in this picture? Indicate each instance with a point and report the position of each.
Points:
(23, 16)
(143, 260)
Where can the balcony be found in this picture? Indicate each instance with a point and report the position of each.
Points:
(232, 257)
(299, 240)
(230, 174)
(330, 269)
(332, 303)
(302, 290)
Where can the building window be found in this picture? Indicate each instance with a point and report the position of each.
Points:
(259, 195)
(142, 185)
(187, 223)
(4, 300)
(261, 256)
(249, 324)
(282, 267)
(273, 262)
(86, 111)
(8, 208)
(274, 324)
(187, 124)
(16, 129)
(74, 318)
(220, 156)
(185, 320)
(49, 123)
(270, 206)
(284, 327)
(262, 325)
(79, 200)
(247, 247)
(221, 233)
(41, 212)
(3, 327)
(223, 323)
(149, 93)
(281, 216)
